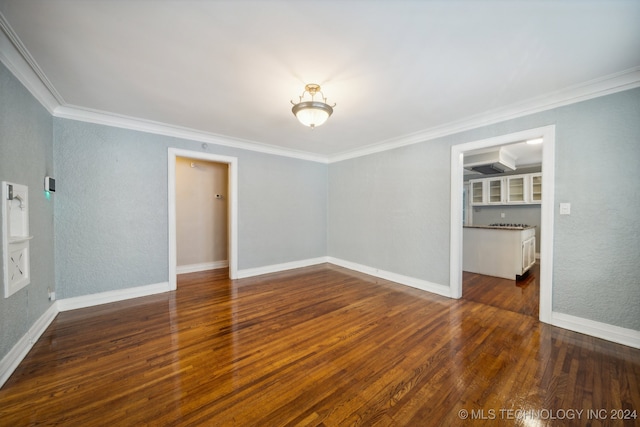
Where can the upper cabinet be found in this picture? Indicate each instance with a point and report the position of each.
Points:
(478, 193)
(508, 190)
(496, 191)
(535, 185)
(516, 190)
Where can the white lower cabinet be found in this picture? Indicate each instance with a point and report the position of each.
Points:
(528, 253)
(496, 251)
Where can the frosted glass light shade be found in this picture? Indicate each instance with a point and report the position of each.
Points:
(312, 113)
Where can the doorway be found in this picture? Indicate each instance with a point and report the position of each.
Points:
(231, 202)
(547, 210)
(201, 215)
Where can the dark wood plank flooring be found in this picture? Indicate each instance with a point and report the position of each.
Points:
(319, 346)
(521, 296)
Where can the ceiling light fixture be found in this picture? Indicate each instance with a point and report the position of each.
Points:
(312, 113)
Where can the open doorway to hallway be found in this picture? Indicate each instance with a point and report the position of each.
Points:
(201, 215)
(230, 198)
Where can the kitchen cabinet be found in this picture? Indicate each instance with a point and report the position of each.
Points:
(505, 252)
(478, 192)
(528, 253)
(495, 191)
(516, 189)
(509, 190)
(535, 186)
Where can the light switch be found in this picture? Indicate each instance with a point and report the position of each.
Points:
(565, 208)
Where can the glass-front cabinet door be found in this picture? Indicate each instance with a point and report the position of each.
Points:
(535, 182)
(516, 189)
(495, 190)
(477, 192)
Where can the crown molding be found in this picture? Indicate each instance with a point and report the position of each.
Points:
(149, 126)
(15, 56)
(606, 85)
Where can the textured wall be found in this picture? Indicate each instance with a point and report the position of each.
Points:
(597, 247)
(26, 158)
(111, 211)
(283, 210)
(391, 210)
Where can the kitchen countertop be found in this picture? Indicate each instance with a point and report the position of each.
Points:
(493, 227)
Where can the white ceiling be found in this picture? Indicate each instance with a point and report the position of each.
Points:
(394, 68)
(524, 155)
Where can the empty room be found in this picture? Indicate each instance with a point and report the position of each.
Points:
(319, 213)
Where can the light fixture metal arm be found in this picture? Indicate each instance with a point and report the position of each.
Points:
(312, 113)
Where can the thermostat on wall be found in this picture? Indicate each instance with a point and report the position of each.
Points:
(49, 184)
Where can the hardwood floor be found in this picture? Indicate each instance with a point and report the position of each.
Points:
(521, 296)
(320, 346)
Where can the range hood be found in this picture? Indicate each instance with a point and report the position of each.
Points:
(490, 163)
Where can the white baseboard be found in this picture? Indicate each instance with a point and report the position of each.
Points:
(387, 275)
(111, 296)
(203, 266)
(250, 272)
(394, 277)
(11, 360)
(624, 336)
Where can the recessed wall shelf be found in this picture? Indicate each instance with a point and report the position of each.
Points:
(15, 237)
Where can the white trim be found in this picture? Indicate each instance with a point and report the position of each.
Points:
(10, 362)
(18, 60)
(624, 336)
(91, 300)
(547, 211)
(625, 80)
(394, 277)
(82, 114)
(202, 266)
(455, 248)
(232, 252)
(617, 82)
(275, 268)
(19, 351)
(547, 223)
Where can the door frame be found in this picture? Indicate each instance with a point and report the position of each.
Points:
(232, 208)
(546, 210)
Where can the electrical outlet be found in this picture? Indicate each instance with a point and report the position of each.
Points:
(52, 294)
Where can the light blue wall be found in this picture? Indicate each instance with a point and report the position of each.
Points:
(388, 211)
(111, 211)
(391, 210)
(597, 247)
(26, 158)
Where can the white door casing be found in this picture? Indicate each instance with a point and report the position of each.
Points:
(232, 163)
